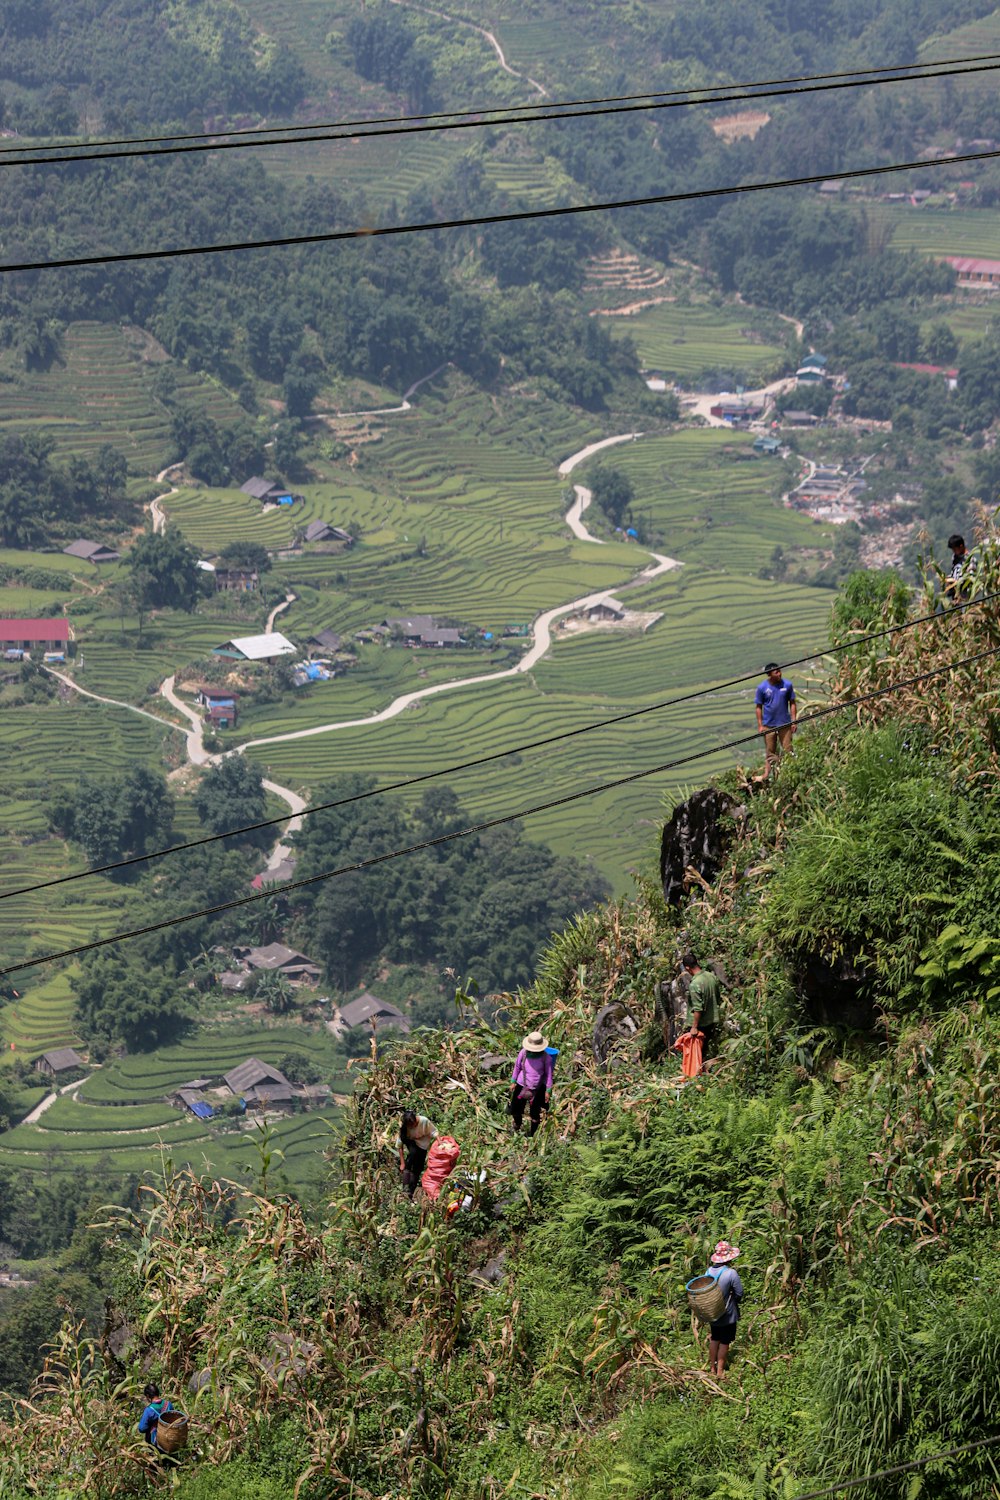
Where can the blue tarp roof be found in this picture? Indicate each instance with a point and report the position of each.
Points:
(203, 1111)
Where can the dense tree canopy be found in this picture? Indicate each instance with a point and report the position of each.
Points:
(483, 906)
(131, 814)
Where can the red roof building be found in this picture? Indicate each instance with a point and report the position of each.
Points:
(22, 635)
(973, 271)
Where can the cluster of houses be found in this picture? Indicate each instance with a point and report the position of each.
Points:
(300, 970)
(256, 1085)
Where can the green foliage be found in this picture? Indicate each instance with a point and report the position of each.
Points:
(168, 569)
(612, 491)
(230, 796)
(119, 1003)
(130, 815)
(481, 906)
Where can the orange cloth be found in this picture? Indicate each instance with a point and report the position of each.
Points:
(692, 1044)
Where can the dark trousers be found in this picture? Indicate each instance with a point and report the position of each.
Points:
(536, 1103)
(416, 1160)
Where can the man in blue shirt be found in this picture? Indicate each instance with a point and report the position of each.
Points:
(776, 715)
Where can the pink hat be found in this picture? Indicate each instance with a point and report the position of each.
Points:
(723, 1253)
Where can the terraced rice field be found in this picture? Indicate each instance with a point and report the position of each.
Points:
(685, 341)
(72, 1142)
(714, 626)
(940, 232)
(144, 1078)
(40, 1019)
(119, 1121)
(711, 499)
(968, 320)
(100, 393)
(540, 183)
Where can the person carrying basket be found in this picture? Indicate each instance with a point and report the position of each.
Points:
(715, 1298)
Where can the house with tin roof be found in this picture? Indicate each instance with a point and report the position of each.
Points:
(92, 552)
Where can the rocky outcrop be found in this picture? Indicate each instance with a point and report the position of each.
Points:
(697, 837)
(835, 994)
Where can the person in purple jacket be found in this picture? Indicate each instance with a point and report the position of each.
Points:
(531, 1080)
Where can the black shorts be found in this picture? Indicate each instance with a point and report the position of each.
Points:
(724, 1331)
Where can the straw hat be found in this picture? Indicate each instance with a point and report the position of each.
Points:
(535, 1042)
(723, 1253)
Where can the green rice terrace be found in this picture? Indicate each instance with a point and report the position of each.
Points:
(687, 340)
(99, 391)
(118, 1119)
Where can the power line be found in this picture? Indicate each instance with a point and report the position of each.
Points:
(510, 109)
(475, 828)
(484, 760)
(573, 111)
(918, 1463)
(512, 217)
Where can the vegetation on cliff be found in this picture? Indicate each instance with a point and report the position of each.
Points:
(538, 1343)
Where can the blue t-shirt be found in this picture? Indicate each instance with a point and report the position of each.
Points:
(150, 1417)
(731, 1287)
(773, 699)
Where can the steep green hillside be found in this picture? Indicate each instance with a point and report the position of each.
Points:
(537, 1342)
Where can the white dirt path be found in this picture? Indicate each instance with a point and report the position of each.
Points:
(541, 630)
(50, 1099)
(471, 25)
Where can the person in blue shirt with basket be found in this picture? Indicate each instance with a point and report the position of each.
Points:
(715, 1299)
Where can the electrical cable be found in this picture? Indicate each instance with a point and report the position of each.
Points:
(485, 760)
(511, 217)
(458, 114)
(475, 828)
(554, 112)
(918, 1463)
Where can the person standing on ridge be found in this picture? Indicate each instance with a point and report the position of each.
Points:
(531, 1080)
(704, 1004)
(777, 712)
(723, 1330)
(415, 1138)
(961, 577)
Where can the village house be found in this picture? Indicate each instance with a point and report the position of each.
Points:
(421, 630)
(190, 1097)
(606, 609)
(220, 705)
(735, 409)
(799, 418)
(260, 1086)
(324, 641)
(35, 635)
(369, 1013)
(59, 1060)
(767, 445)
(236, 580)
(973, 271)
(92, 552)
(256, 647)
(266, 492)
(275, 958)
(324, 531)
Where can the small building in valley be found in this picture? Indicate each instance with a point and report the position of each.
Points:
(275, 958)
(368, 1013)
(59, 1060)
(236, 580)
(325, 531)
(92, 552)
(264, 491)
(260, 1085)
(323, 641)
(421, 630)
(606, 609)
(974, 270)
(256, 647)
(34, 635)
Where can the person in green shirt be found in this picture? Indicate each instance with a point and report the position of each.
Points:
(704, 1003)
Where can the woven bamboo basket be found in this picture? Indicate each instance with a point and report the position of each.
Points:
(171, 1431)
(705, 1299)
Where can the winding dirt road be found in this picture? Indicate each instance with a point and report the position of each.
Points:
(541, 642)
(471, 25)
